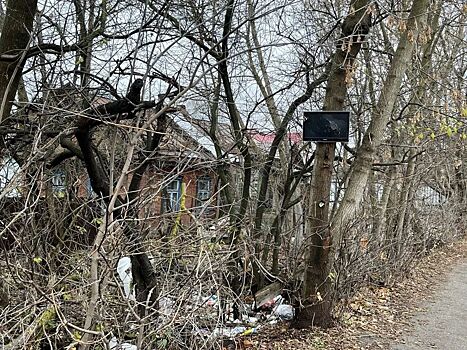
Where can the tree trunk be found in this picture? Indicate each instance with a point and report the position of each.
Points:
(317, 299)
(316, 287)
(405, 195)
(381, 216)
(315, 294)
(144, 276)
(15, 38)
(374, 134)
(407, 190)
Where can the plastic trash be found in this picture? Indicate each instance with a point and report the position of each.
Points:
(124, 272)
(211, 301)
(228, 332)
(252, 320)
(284, 312)
(250, 331)
(166, 305)
(237, 330)
(114, 345)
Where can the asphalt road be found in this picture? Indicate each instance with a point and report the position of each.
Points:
(444, 324)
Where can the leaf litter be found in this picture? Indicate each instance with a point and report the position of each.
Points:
(373, 318)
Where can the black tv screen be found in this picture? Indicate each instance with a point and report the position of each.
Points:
(326, 126)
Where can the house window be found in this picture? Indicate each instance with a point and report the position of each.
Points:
(9, 169)
(203, 188)
(172, 196)
(59, 182)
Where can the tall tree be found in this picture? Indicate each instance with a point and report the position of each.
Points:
(316, 290)
(16, 37)
(316, 309)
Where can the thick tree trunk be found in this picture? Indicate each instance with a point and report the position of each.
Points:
(316, 298)
(144, 276)
(375, 132)
(317, 308)
(15, 38)
(316, 289)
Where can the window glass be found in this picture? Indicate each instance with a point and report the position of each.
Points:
(59, 182)
(171, 200)
(203, 191)
(173, 186)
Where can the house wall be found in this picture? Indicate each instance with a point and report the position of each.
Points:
(189, 179)
(150, 200)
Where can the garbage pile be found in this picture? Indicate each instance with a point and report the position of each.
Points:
(272, 312)
(269, 307)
